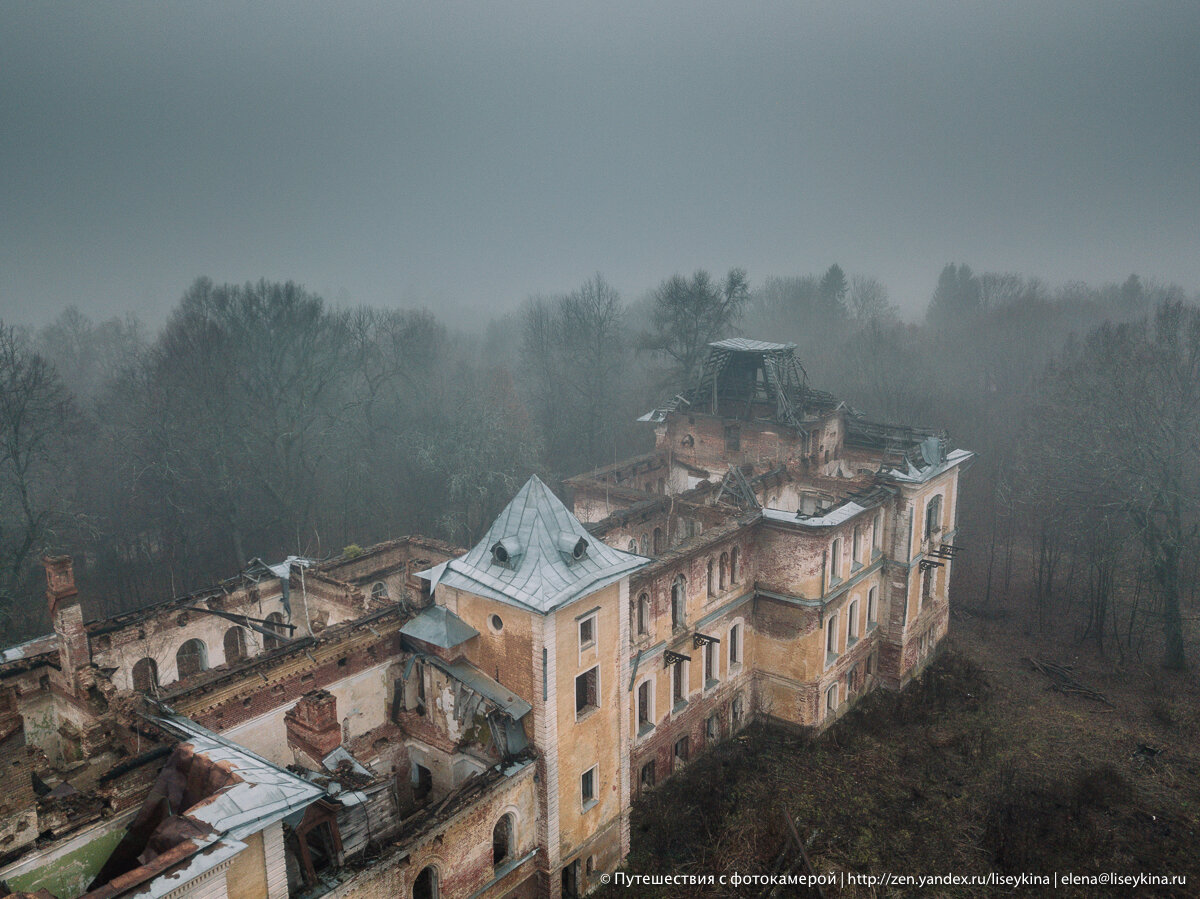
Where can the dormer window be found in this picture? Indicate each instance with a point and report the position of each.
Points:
(506, 552)
(572, 546)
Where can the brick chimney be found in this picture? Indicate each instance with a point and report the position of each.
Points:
(63, 598)
(312, 724)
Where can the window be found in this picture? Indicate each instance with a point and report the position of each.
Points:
(933, 517)
(678, 601)
(737, 711)
(274, 623)
(658, 541)
(643, 614)
(235, 644)
(926, 586)
(192, 658)
(503, 840)
(422, 782)
(587, 632)
(734, 574)
(145, 676)
(856, 546)
(496, 623)
(835, 556)
(379, 592)
(831, 699)
(426, 884)
(852, 624)
(587, 691)
(735, 645)
(733, 438)
(645, 545)
(633, 547)
(587, 788)
(877, 532)
(647, 776)
(712, 730)
(679, 684)
(711, 674)
(831, 639)
(724, 570)
(681, 752)
(645, 706)
(712, 584)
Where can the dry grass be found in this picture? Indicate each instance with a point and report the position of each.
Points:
(978, 766)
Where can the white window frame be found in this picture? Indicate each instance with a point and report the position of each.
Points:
(585, 803)
(736, 653)
(593, 619)
(651, 683)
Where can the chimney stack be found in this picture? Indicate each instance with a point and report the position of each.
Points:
(67, 616)
(312, 725)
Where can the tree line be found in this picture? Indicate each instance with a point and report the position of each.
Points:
(261, 421)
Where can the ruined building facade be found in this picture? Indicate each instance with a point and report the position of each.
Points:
(419, 720)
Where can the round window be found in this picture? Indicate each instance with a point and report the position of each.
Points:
(497, 624)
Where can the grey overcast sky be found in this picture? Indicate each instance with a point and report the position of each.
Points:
(466, 155)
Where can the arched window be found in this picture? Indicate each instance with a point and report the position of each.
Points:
(379, 591)
(145, 676)
(426, 884)
(645, 545)
(235, 644)
(192, 658)
(712, 585)
(724, 570)
(831, 699)
(658, 537)
(734, 574)
(274, 623)
(503, 840)
(678, 600)
(633, 545)
(643, 614)
(933, 517)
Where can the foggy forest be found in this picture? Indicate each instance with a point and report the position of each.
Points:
(262, 421)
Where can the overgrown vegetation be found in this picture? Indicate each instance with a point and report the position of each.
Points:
(966, 771)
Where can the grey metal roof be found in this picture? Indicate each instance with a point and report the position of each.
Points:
(540, 575)
(746, 345)
(439, 626)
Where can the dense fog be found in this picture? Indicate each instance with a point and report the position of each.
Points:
(262, 421)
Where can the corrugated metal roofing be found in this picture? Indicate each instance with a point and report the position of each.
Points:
(746, 345)
(541, 576)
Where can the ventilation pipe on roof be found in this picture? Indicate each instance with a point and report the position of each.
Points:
(572, 546)
(506, 551)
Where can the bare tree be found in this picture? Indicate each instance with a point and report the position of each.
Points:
(687, 315)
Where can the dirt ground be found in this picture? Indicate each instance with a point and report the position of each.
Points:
(980, 766)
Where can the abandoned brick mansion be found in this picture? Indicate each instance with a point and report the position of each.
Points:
(418, 720)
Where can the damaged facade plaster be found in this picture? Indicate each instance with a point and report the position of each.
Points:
(418, 720)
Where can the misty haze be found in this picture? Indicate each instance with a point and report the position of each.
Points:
(526, 450)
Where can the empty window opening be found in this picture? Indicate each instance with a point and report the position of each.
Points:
(735, 645)
(503, 840)
(679, 683)
(831, 699)
(737, 711)
(710, 663)
(734, 573)
(570, 880)
(724, 571)
(587, 694)
(658, 541)
(587, 632)
(835, 558)
(681, 752)
(933, 517)
(192, 658)
(274, 623)
(712, 730)
(712, 582)
(587, 786)
(872, 603)
(379, 592)
(422, 781)
(645, 706)
(647, 778)
(643, 614)
(426, 884)
(852, 621)
(831, 639)
(235, 644)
